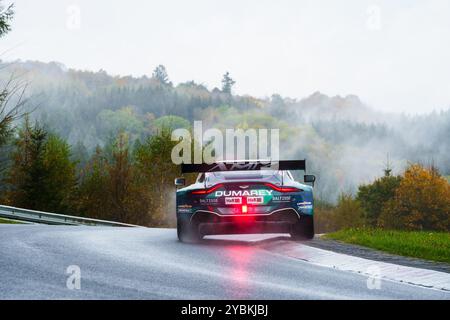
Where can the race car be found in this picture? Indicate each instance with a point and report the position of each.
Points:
(243, 197)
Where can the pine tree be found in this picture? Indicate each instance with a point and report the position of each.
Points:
(27, 172)
(42, 176)
(6, 15)
(60, 178)
(227, 83)
(160, 74)
(93, 194)
(373, 196)
(120, 177)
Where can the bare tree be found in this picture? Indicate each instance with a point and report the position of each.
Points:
(12, 93)
(12, 101)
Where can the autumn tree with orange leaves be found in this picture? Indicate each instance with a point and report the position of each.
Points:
(421, 202)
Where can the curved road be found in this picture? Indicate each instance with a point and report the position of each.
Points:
(140, 263)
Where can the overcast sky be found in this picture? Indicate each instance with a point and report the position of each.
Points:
(395, 55)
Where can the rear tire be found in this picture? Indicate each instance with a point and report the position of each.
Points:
(303, 229)
(188, 232)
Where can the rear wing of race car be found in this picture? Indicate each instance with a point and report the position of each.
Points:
(244, 165)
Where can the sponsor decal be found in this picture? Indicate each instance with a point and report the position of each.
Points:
(243, 193)
(184, 208)
(233, 200)
(209, 200)
(255, 200)
(281, 198)
(305, 205)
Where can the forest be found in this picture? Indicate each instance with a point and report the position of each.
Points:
(93, 144)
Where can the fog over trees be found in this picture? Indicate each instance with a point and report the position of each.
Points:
(345, 142)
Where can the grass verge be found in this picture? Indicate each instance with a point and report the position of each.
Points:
(433, 246)
(6, 221)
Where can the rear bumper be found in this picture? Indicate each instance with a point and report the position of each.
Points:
(210, 223)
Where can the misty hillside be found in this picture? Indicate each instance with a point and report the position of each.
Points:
(336, 134)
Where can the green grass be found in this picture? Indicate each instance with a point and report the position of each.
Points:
(6, 221)
(418, 244)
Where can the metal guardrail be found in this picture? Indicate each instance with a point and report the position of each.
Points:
(54, 218)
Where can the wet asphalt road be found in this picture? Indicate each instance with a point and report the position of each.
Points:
(140, 263)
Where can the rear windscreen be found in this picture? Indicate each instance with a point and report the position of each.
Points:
(265, 175)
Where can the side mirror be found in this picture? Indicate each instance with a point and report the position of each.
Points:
(179, 182)
(309, 178)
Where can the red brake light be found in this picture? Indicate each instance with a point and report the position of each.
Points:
(282, 189)
(207, 191)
